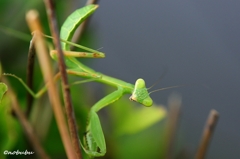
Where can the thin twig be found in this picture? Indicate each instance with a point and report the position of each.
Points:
(27, 127)
(30, 71)
(78, 33)
(172, 123)
(34, 24)
(62, 67)
(207, 134)
(91, 2)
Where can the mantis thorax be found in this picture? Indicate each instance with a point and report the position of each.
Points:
(140, 94)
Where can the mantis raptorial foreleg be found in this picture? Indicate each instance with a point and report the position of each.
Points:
(94, 138)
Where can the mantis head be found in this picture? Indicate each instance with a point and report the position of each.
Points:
(140, 94)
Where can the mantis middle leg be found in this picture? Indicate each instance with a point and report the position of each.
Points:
(90, 76)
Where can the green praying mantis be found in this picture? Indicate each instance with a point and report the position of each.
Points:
(94, 142)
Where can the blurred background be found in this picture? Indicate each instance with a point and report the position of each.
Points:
(197, 41)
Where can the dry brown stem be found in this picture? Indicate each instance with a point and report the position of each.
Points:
(62, 67)
(172, 123)
(42, 52)
(207, 134)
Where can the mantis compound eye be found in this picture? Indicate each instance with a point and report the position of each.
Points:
(148, 102)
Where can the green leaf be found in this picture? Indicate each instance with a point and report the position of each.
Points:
(141, 118)
(10, 128)
(3, 90)
(130, 118)
(137, 131)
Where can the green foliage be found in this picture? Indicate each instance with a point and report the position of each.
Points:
(3, 90)
(135, 130)
(10, 131)
(136, 117)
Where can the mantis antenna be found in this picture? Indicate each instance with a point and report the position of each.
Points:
(159, 79)
(160, 89)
